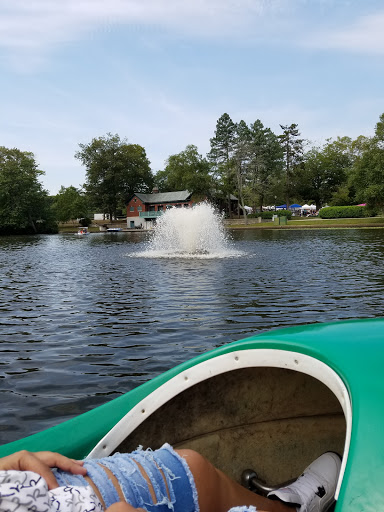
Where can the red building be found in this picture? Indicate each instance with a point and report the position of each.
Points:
(143, 209)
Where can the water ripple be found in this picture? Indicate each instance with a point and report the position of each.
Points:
(84, 320)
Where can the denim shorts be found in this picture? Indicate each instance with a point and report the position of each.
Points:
(169, 474)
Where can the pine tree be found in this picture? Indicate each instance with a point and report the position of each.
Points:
(292, 147)
(241, 159)
(221, 154)
(266, 160)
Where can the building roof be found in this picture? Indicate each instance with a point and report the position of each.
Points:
(165, 197)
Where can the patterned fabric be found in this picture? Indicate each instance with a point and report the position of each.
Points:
(25, 491)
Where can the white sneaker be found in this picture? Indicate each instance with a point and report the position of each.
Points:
(314, 490)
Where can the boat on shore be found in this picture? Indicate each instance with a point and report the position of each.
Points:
(272, 402)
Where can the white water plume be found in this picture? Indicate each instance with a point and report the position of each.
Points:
(196, 232)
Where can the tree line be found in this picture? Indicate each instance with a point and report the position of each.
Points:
(115, 170)
(248, 161)
(263, 168)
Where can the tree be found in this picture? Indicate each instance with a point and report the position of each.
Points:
(368, 171)
(257, 159)
(187, 170)
(24, 204)
(241, 159)
(221, 153)
(222, 144)
(265, 161)
(70, 203)
(114, 171)
(247, 159)
(292, 147)
(325, 170)
(345, 194)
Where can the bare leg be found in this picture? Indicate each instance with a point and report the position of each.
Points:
(123, 507)
(218, 493)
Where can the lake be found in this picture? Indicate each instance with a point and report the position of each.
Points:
(85, 319)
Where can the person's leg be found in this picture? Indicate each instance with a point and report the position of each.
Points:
(313, 490)
(122, 506)
(184, 480)
(218, 493)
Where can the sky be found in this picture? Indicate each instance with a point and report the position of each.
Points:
(160, 73)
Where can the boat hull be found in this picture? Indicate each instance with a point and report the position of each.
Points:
(272, 402)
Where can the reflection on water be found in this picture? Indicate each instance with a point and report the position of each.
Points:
(83, 321)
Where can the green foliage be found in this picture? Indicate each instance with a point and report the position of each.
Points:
(368, 171)
(258, 156)
(221, 157)
(379, 130)
(266, 162)
(325, 170)
(257, 166)
(343, 196)
(85, 221)
(339, 212)
(269, 214)
(114, 171)
(284, 213)
(263, 215)
(293, 148)
(247, 160)
(25, 206)
(223, 141)
(240, 160)
(187, 170)
(70, 203)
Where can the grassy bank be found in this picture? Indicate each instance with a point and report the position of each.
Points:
(311, 223)
(65, 228)
(73, 227)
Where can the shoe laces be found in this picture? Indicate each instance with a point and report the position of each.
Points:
(307, 485)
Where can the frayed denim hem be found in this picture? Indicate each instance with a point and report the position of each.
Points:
(251, 508)
(170, 477)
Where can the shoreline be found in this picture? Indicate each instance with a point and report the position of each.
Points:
(238, 224)
(373, 222)
(335, 226)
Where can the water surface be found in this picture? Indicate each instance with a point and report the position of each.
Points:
(85, 319)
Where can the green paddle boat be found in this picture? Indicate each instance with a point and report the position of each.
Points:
(272, 402)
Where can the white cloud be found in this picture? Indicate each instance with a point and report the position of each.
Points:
(38, 23)
(366, 35)
(33, 28)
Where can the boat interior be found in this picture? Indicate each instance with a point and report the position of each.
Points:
(274, 421)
